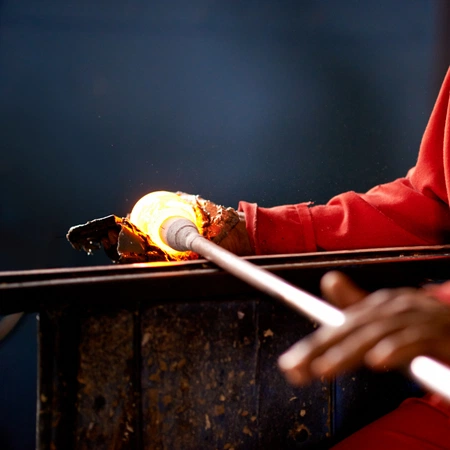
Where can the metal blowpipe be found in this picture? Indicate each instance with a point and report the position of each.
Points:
(181, 234)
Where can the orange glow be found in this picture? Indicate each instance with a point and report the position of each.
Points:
(152, 210)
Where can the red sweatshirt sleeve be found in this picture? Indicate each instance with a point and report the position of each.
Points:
(409, 211)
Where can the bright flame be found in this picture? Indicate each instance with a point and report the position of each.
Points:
(152, 210)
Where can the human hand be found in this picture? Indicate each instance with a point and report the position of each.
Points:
(237, 240)
(224, 226)
(383, 330)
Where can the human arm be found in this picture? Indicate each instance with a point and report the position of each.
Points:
(413, 210)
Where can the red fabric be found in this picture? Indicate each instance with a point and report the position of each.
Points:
(413, 210)
(414, 425)
(409, 211)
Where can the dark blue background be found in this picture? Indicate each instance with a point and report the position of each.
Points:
(268, 101)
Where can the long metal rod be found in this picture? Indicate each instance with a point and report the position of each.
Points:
(182, 235)
(304, 302)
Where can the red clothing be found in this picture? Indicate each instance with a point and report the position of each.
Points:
(409, 211)
(415, 424)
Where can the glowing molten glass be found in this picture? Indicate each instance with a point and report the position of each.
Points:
(152, 210)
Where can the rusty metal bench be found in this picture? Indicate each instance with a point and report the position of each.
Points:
(183, 356)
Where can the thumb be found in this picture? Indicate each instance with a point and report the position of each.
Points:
(340, 290)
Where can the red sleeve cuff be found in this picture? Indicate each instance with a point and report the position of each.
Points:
(279, 230)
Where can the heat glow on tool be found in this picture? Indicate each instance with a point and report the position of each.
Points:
(152, 210)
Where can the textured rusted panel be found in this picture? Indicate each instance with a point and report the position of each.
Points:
(199, 363)
(106, 400)
(289, 418)
(58, 345)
